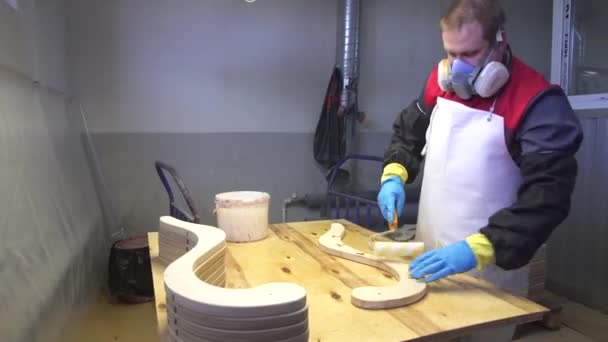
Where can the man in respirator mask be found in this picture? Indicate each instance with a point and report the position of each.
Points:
(498, 143)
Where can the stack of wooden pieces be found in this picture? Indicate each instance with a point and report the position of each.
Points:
(200, 309)
(174, 242)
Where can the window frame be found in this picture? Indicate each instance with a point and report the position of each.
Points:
(561, 51)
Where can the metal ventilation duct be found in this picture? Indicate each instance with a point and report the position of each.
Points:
(348, 53)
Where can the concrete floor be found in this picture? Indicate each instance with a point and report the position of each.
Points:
(112, 322)
(115, 322)
(539, 334)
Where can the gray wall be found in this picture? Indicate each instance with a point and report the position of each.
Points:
(202, 66)
(245, 82)
(51, 236)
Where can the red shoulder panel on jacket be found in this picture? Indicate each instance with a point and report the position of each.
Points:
(525, 84)
(432, 90)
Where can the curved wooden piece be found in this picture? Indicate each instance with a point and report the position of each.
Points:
(404, 292)
(198, 310)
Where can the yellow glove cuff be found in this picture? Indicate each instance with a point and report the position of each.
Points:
(394, 169)
(483, 250)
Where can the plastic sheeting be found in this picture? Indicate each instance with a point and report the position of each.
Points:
(52, 243)
(51, 235)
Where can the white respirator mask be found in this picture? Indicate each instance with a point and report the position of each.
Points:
(467, 80)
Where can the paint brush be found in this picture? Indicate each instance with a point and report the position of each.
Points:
(393, 225)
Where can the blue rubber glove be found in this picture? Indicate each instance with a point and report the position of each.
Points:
(442, 262)
(390, 197)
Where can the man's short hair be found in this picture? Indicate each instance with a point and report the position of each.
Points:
(488, 13)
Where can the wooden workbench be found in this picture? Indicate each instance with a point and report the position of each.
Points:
(453, 307)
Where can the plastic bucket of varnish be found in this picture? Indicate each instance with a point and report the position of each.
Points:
(243, 215)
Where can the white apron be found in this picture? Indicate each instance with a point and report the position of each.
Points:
(468, 176)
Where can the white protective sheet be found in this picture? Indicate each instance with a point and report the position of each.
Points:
(52, 242)
(51, 230)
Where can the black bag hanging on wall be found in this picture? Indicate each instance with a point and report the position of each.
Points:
(330, 140)
(130, 271)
